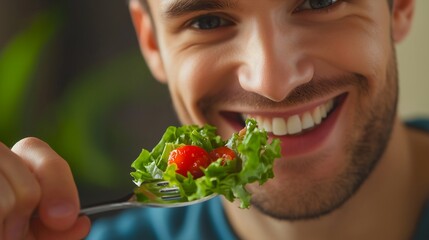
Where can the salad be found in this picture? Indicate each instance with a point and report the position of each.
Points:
(197, 161)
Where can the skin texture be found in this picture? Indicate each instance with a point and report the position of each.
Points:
(256, 78)
(33, 178)
(366, 177)
(278, 58)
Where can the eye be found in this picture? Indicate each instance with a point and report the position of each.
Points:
(208, 22)
(316, 4)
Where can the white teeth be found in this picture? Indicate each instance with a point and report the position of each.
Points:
(294, 124)
(317, 117)
(323, 111)
(279, 127)
(266, 124)
(307, 121)
(329, 105)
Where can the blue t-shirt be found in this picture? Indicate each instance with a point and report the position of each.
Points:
(202, 221)
(206, 220)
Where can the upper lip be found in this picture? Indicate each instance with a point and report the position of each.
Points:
(282, 111)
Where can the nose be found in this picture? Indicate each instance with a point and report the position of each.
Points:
(272, 63)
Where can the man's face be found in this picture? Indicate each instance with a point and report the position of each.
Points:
(288, 65)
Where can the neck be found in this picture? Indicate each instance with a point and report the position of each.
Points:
(387, 206)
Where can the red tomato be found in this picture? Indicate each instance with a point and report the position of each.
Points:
(222, 152)
(191, 159)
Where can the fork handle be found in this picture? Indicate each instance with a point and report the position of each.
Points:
(107, 207)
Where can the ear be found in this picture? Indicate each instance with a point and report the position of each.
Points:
(402, 18)
(147, 39)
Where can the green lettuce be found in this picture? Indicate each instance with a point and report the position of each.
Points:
(254, 162)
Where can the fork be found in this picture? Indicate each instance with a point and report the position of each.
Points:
(158, 193)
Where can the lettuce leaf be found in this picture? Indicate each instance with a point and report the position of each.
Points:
(254, 162)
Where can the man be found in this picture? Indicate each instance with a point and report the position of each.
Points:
(320, 75)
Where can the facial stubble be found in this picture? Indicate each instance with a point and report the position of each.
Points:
(367, 141)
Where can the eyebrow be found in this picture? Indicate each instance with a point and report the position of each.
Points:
(181, 7)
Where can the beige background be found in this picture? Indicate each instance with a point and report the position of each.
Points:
(413, 60)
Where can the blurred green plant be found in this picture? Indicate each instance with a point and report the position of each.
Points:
(18, 61)
(85, 129)
(81, 125)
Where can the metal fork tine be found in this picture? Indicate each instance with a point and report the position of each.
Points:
(172, 190)
(162, 183)
(171, 198)
(162, 187)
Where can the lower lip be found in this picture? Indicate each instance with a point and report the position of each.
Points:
(310, 141)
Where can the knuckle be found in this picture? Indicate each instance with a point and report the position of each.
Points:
(53, 164)
(38, 152)
(27, 143)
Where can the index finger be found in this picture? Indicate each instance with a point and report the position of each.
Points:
(59, 204)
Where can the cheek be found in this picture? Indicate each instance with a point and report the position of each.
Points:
(357, 52)
(358, 44)
(192, 75)
(195, 74)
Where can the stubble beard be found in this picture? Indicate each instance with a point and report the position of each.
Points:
(366, 145)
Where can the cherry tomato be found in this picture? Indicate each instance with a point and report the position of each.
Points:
(222, 152)
(191, 159)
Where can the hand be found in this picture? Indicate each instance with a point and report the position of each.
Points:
(35, 179)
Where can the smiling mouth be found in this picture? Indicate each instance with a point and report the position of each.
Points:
(290, 124)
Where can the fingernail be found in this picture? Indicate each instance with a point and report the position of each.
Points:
(61, 210)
